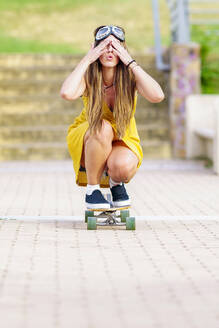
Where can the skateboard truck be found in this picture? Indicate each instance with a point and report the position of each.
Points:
(111, 217)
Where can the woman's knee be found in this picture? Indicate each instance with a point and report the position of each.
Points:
(122, 170)
(104, 135)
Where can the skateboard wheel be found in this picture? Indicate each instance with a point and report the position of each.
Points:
(123, 215)
(130, 223)
(91, 223)
(87, 214)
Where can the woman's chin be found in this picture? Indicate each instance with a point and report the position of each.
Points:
(109, 64)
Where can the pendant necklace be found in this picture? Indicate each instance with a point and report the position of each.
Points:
(105, 87)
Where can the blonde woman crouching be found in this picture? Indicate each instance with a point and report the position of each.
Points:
(103, 140)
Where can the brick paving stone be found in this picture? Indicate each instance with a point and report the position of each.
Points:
(58, 274)
(170, 187)
(55, 273)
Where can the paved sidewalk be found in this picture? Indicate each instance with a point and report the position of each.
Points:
(160, 188)
(55, 273)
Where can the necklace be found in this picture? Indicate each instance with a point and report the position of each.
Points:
(107, 87)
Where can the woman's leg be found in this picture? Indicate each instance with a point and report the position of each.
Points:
(96, 150)
(122, 166)
(122, 162)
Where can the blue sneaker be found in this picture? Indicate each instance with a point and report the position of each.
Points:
(96, 201)
(120, 196)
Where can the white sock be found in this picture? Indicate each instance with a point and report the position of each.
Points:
(114, 183)
(91, 188)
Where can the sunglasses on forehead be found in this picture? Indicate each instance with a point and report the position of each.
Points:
(105, 31)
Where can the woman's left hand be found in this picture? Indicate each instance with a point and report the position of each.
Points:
(121, 52)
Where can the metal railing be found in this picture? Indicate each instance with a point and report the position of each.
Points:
(179, 20)
(157, 36)
(179, 26)
(182, 15)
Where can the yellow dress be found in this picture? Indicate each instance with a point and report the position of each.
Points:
(75, 136)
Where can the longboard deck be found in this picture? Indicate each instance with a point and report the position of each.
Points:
(112, 209)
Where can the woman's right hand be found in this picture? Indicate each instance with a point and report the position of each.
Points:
(74, 84)
(95, 52)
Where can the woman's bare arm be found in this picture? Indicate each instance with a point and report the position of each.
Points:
(146, 85)
(74, 85)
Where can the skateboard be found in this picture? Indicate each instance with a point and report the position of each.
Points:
(113, 216)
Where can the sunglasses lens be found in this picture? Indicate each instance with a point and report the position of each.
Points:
(104, 30)
(119, 33)
(102, 33)
(118, 30)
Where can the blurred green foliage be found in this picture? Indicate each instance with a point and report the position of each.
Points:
(208, 38)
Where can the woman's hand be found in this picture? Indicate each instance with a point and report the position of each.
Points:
(74, 85)
(96, 52)
(121, 51)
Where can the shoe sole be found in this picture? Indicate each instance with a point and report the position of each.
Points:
(97, 206)
(122, 203)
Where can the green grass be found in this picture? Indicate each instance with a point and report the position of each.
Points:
(51, 5)
(71, 23)
(42, 5)
(16, 45)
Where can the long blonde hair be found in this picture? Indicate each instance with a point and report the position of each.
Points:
(125, 87)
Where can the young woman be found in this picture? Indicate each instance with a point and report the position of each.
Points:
(103, 140)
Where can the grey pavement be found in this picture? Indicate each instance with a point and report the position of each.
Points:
(55, 273)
